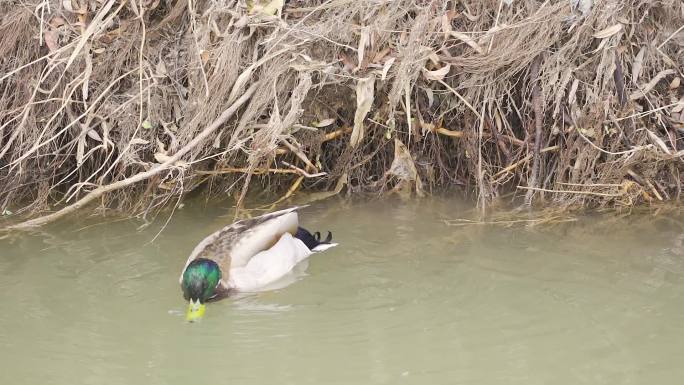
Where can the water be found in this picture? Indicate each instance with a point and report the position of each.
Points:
(403, 300)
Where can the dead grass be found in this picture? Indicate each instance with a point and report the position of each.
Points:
(124, 103)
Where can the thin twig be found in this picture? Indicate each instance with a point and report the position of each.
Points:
(303, 172)
(571, 192)
(299, 154)
(523, 160)
(244, 170)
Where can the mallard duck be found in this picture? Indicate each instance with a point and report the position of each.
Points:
(246, 256)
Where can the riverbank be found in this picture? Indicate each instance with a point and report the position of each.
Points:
(134, 105)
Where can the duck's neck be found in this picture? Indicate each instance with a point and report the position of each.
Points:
(200, 279)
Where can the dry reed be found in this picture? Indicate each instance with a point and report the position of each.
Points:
(132, 104)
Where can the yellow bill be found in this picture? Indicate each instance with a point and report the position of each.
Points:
(195, 311)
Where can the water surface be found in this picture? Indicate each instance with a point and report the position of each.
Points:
(403, 300)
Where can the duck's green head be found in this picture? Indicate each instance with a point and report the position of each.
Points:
(199, 285)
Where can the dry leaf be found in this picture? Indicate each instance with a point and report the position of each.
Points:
(160, 68)
(434, 58)
(407, 106)
(273, 7)
(659, 142)
(324, 122)
(161, 157)
(86, 75)
(583, 6)
(204, 55)
(572, 95)
(365, 93)
(135, 141)
(608, 32)
(438, 74)
(638, 65)
(430, 95)
(105, 135)
(468, 40)
(150, 4)
(588, 132)
(403, 37)
(446, 25)
(57, 22)
(363, 43)
(648, 87)
(679, 107)
(675, 83)
(560, 91)
(386, 67)
(80, 149)
(51, 38)
(160, 146)
(604, 42)
(94, 135)
(68, 6)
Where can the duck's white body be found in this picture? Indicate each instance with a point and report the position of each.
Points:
(257, 252)
(269, 266)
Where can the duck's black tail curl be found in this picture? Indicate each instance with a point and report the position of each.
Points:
(312, 240)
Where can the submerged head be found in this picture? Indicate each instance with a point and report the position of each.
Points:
(199, 285)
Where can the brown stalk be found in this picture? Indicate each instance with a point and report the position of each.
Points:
(538, 119)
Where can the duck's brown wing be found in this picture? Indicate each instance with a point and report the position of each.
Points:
(236, 244)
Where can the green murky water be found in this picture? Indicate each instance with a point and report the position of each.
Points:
(404, 299)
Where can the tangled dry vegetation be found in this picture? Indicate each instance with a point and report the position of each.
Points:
(132, 104)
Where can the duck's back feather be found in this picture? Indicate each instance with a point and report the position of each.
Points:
(234, 245)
